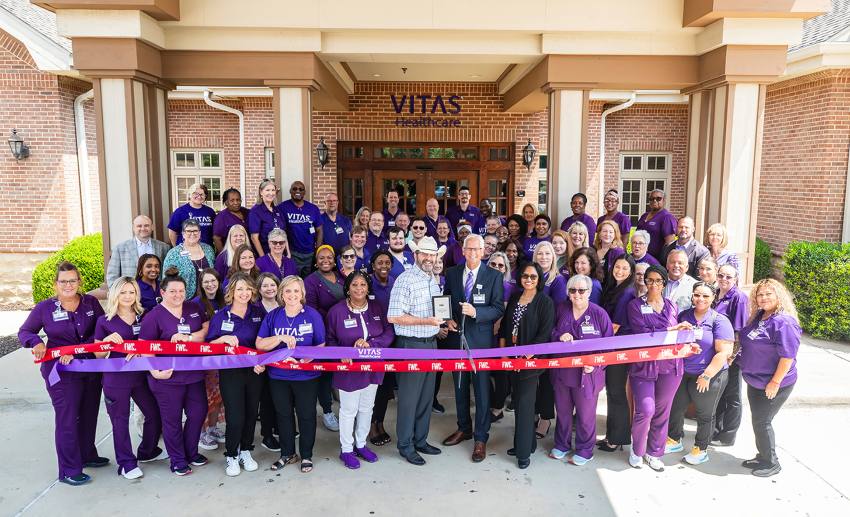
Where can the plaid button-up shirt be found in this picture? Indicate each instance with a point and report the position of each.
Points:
(411, 294)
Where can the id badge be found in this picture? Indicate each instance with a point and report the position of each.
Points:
(478, 298)
(227, 326)
(371, 296)
(390, 223)
(305, 328)
(312, 229)
(588, 329)
(184, 329)
(349, 323)
(137, 329)
(184, 253)
(60, 315)
(698, 334)
(339, 230)
(646, 309)
(754, 334)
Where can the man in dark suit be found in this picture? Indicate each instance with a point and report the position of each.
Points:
(476, 299)
(686, 242)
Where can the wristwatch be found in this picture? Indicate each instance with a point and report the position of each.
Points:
(705, 377)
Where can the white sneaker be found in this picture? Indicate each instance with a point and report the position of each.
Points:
(232, 468)
(696, 456)
(557, 454)
(136, 473)
(247, 461)
(163, 455)
(330, 421)
(654, 463)
(635, 461)
(579, 460)
(217, 434)
(207, 442)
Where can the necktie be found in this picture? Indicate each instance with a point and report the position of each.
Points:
(467, 287)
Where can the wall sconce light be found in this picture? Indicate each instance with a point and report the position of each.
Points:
(323, 153)
(18, 147)
(528, 153)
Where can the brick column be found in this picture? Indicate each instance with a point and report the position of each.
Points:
(567, 150)
(724, 147)
(293, 152)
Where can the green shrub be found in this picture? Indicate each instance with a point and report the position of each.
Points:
(818, 274)
(85, 252)
(761, 267)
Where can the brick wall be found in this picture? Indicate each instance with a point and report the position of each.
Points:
(41, 194)
(804, 159)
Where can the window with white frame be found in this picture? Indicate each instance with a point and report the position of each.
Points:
(269, 163)
(640, 174)
(190, 166)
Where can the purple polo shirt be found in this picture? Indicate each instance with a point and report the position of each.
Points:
(376, 242)
(204, 215)
(149, 295)
(592, 324)
(610, 257)
(596, 291)
(336, 233)
(530, 244)
(318, 294)
(307, 328)
(642, 322)
(245, 329)
(225, 219)
(431, 226)
(222, 264)
(482, 225)
(261, 221)
(714, 326)
(381, 292)
(301, 225)
(622, 220)
(472, 216)
(660, 226)
(647, 259)
(345, 327)
(557, 290)
(400, 266)
(735, 306)
(76, 329)
(266, 264)
(160, 325)
(389, 219)
(585, 220)
(764, 343)
(105, 327)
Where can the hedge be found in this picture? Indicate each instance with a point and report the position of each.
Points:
(85, 252)
(761, 266)
(818, 274)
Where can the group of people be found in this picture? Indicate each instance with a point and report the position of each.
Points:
(291, 275)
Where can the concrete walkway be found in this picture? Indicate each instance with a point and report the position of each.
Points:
(813, 480)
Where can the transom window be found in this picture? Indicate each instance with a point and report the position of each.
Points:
(190, 166)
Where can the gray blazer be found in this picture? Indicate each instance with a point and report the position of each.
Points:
(125, 258)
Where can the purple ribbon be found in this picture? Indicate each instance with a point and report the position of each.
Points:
(222, 362)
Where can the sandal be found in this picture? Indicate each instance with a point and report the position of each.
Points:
(282, 462)
(380, 439)
(542, 435)
(306, 466)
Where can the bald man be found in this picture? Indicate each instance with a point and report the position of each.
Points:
(125, 255)
(432, 217)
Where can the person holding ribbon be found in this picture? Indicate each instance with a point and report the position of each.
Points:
(264, 217)
(68, 318)
(361, 323)
(120, 323)
(577, 389)
(529, 319)
(277, 261)
(190, 257)
(178, 320)
(294, 392)
(237, 324)
(769, 345)
(147, 278)
(236, 236)
(705, 373)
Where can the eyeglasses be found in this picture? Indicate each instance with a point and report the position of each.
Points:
(699, 295)
(349, 256)
(656, 198)
(529, 277)
(573, 290)
(473, 249)
(496, 265)
(67, 282)
(725, 277)
(198, 194)
(638, 243)
(653, 281)
(277, 243)
(191, 232)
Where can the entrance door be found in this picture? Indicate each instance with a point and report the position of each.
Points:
(406, 183)
(416, 187)
(446, 185)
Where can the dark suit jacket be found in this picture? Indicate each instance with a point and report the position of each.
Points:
(478, 330)
(696, 252)
(535, 326)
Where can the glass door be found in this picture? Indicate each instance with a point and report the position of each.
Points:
(405, 183)
(447, 183)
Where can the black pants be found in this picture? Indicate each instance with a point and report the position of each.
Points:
(268, 417)
(326, 396)
(383, 397)
(524, 397)
(501, 387)
(481, 385)
(304, 395)
(240, 391)
(727, 418)
(438, 379)
(618, 424)
(763, 411)
(705, 404)
(545, 405)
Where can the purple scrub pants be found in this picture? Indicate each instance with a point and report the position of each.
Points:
(181, 441)
(76, 402)
(569, 400)
(118, 406)
(653, 400)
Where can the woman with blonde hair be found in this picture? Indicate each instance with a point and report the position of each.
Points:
(609, 244)
(554, 283)
(716, 240)
(194, 209)
(264, 217)
(560, 243)
(236, 236)
(578, 239)
(121, 322)
(361, 218)
(769, 345)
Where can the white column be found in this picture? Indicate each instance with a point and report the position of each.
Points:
(293, 149)
(567, 150)
(118, 202)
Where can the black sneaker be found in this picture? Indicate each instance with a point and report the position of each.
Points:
(766, 471)
(185, 471)
(752, 464)
(199, 460)
(98, 462)
(438, 408)
(79, 479)
(271, 443)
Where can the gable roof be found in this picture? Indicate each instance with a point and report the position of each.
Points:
(41, 20)
(827, 26)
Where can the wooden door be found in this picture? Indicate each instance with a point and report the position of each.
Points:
(445, 186)
(407, 183)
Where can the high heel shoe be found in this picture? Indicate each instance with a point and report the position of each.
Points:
(541, 435)
(603, 445)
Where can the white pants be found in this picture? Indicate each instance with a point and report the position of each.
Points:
(355, 406)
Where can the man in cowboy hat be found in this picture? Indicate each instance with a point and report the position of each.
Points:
(411, 310)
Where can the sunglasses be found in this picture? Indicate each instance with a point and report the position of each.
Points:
(277, 243)
(573, 290)
(529, 277)
(725, 277)
(418, 227)
(656, 198)
(348, 257)
(497, 266)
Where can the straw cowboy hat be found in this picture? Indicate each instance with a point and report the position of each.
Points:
(427, 245)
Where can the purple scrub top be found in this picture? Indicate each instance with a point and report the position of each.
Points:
(245, 329)
(431, 226)
(105, 327)
(380, 292)
(389, 219)
(530, 244)
(734, 305)
(336, 233)
(764, 343)
(607, 262)
(226, 219)
(620, 314)
(714, 326)
(596, 291)
(661, 225)
(557, 290)
(344, 328)
(149, 295)
(507, 290)
(585, 220)
(472, 216)
(308, 329)
(160, 325)
(400, 267)
(301, 225)
(647, 259)
(376, 242)
(622, 220)
(319, 295)
(261, 221)
(592, 324)
(222, 264)
(266, 264)
(204, 215)
(641, 323)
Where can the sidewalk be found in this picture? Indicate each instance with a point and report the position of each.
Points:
(813, 480)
